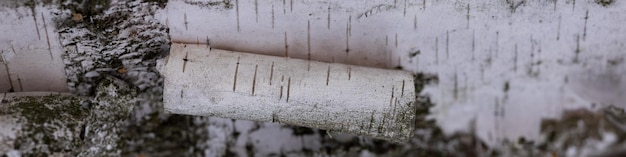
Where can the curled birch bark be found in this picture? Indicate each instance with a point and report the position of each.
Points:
(365, 101)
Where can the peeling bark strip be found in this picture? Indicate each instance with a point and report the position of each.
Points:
(361, 99)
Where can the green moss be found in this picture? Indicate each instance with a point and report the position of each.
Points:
(40, 110)
(35, 109)
(42, 117)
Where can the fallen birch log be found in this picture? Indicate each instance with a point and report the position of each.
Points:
(351, 99)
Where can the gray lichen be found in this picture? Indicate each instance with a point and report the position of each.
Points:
(124, 41)
(49, 124)
(105, 126)
(70, 125)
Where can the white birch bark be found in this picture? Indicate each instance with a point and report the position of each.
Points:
(506, 65)
(30, 53)
(203, 81)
